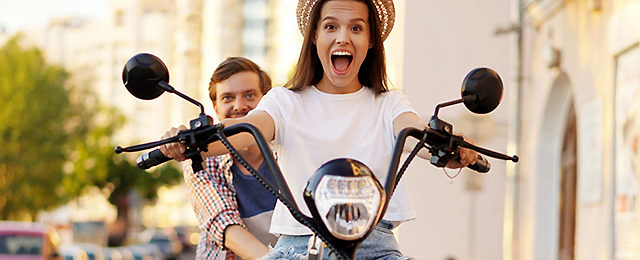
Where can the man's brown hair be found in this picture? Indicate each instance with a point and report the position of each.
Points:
(309, 70)
(233, 65)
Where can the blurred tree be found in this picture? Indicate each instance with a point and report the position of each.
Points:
(95, 163)
(37, 124)
(55, 141)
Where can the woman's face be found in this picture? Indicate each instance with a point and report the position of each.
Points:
(342, 41)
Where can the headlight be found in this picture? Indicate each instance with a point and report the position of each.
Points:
(347, 205)
(346, 196)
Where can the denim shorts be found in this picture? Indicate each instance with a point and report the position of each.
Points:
(380, 244)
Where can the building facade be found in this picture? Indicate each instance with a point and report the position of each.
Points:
(191, 37)
(571, 72)
(577, 184)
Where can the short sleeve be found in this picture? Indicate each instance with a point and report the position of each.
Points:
(277, 103)
(398, 103)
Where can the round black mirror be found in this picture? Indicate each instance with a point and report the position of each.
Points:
(141, 75)
(482, 90)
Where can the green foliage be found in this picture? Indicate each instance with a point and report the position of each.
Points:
(146, 183)
(34, 132)
(55, 140)
(95, 163)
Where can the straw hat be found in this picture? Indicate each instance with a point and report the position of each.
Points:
(384, 8)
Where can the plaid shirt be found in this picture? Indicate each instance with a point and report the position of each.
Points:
(213, 198)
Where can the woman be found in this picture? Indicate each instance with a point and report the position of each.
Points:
(337, 106)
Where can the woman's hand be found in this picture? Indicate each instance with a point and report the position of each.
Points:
(174, 150)
(467, 156)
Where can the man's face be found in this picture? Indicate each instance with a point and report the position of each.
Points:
(237, 95)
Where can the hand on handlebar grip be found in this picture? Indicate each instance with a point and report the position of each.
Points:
(174, 150)
(467, 156)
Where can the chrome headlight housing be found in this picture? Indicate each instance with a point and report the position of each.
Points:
(346, 197)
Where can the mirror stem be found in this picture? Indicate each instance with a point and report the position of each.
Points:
(166, 87)
(446, 104)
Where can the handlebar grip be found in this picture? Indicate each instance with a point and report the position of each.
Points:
(150, 159)
(482, 165)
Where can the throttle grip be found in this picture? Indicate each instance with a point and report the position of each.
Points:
(150, 159)
(481, 166)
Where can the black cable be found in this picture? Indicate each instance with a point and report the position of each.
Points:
(296, 214)
(407, 161)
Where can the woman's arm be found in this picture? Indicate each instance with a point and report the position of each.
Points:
(409, 119)
(260, 119)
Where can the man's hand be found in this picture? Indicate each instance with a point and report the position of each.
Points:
(174, 150)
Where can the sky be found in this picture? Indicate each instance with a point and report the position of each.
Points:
(20, 14)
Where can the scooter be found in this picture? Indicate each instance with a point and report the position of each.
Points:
(345, 198)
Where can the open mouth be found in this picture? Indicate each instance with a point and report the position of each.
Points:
(341, 61)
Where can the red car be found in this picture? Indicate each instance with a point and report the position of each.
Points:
(25, 240)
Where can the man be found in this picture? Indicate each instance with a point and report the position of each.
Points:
(233, 209)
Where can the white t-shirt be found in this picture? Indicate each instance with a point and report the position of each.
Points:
(313, 127)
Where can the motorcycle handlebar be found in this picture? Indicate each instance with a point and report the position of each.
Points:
(156, 157)
(150, 159)
(481, 166)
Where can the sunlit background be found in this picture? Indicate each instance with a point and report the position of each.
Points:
(570, 110)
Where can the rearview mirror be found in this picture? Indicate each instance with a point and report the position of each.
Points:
(142, 74)
(482, 90)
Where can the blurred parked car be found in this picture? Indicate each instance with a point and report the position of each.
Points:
(82, 251)
(146, 252)
(72, 252)
(117, 253)
(167, 241)
(28, 240)
(94, 252)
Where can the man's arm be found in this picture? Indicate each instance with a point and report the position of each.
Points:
(213, 200)
(243, 243)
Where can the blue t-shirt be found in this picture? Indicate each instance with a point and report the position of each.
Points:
(252, 197)
(255, 202)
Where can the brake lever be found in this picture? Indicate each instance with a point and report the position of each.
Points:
(145, 146)
(444, 145)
